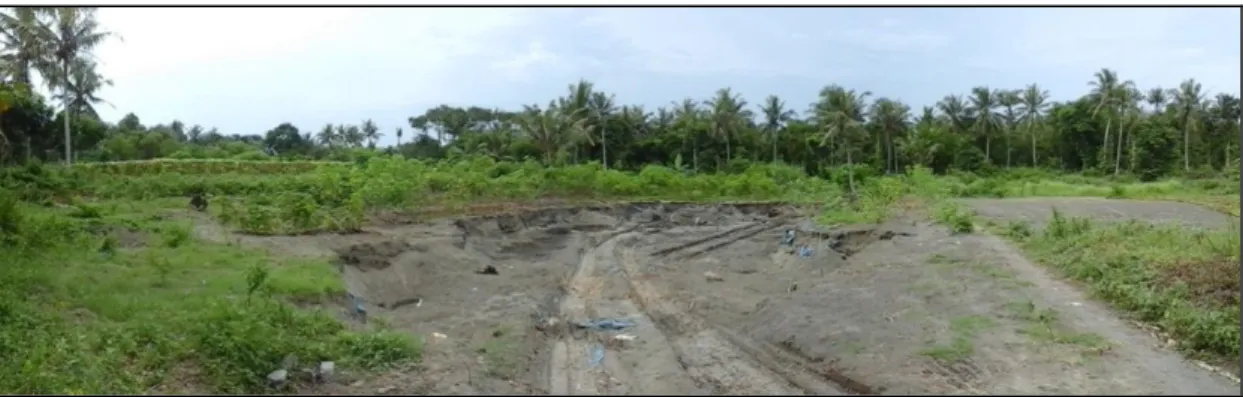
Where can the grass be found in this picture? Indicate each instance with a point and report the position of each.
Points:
(1043, 324)
(85, 313)
(963, 331)
(104, 292)
(501, 354)
(1184, 281)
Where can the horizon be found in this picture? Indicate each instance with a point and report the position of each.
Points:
(314, 66)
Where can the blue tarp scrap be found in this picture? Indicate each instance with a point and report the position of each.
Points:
(597, 356)
(606, 324)
(805, 251)
(789, 238)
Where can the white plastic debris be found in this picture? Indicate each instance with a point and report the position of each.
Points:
(277, 378)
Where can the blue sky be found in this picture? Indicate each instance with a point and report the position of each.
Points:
(247, 70)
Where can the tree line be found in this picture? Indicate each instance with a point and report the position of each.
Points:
(1115, 127)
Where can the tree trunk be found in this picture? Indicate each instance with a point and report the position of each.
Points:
(776, 137)
(1031, 127)
(68, 137)
(1009, 129)
(988, 147)
(604, 150)
(1104, 160)
(1187, 144)
(850, 172)
(695, 154)
(1118, 153)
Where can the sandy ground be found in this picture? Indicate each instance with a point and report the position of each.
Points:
(719, 306)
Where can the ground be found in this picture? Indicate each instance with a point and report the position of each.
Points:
(720, 306)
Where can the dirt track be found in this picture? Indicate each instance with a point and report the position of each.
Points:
(903, 307)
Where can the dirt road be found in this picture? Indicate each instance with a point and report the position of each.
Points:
(711, 302)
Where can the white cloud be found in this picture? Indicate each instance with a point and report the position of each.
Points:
(216, 64)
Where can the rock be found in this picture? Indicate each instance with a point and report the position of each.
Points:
(385, 389)
(277, 378)
(489, 270)
(713, 277)
(325, 370)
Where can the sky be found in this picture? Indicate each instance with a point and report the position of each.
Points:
(246, 70)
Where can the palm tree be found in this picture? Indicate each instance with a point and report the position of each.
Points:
(70, 35)
(775, 118)
(839, 115)
(955, 111)
(549, 129)
(1157, 97)
(1128, 104)
(983, 102)
(1008, 100)
(688, 116)
(370, 132)
(1106, 90)
(599, 110)
(1225, 113)
(84, 83)
(728, 113)
(327, 136)
(1187, 102)
(892, 118)
(398, 136)
(20, 42)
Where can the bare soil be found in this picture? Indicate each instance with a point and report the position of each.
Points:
(719, 306)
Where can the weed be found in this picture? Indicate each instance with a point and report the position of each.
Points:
(963, 331)
(955, 216)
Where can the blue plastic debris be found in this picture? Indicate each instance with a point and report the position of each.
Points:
(358, 304)
(597, 356)
(805, 251)
(789, 238)
(360, 312)
(606, 324)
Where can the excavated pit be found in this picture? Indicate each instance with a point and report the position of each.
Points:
(719, 305)
(530, 276)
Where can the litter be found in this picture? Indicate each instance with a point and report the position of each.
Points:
(597, 355)
(789, 238)
(805, 252)
(606, 324)
(624, 337)
(438, 335)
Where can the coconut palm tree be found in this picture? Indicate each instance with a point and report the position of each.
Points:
(1009, 101)
(1187, 102)
(892, 118)
(776, 115)
(70, 34)
(955, 111)
(983, 104)
(20, 42)
(728, 114)
(327, 135)
(839, 115)
(370, 132)
(688, 116)
(84, 82)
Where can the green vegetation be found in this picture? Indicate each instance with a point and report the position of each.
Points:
(1184, 281)
(107, 287)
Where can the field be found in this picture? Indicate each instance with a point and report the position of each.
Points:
(480, 277)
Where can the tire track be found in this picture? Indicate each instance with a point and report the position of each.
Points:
(674, 352)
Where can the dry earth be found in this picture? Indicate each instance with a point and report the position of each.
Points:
(719, 306)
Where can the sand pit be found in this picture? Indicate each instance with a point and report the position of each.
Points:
(712, 302)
